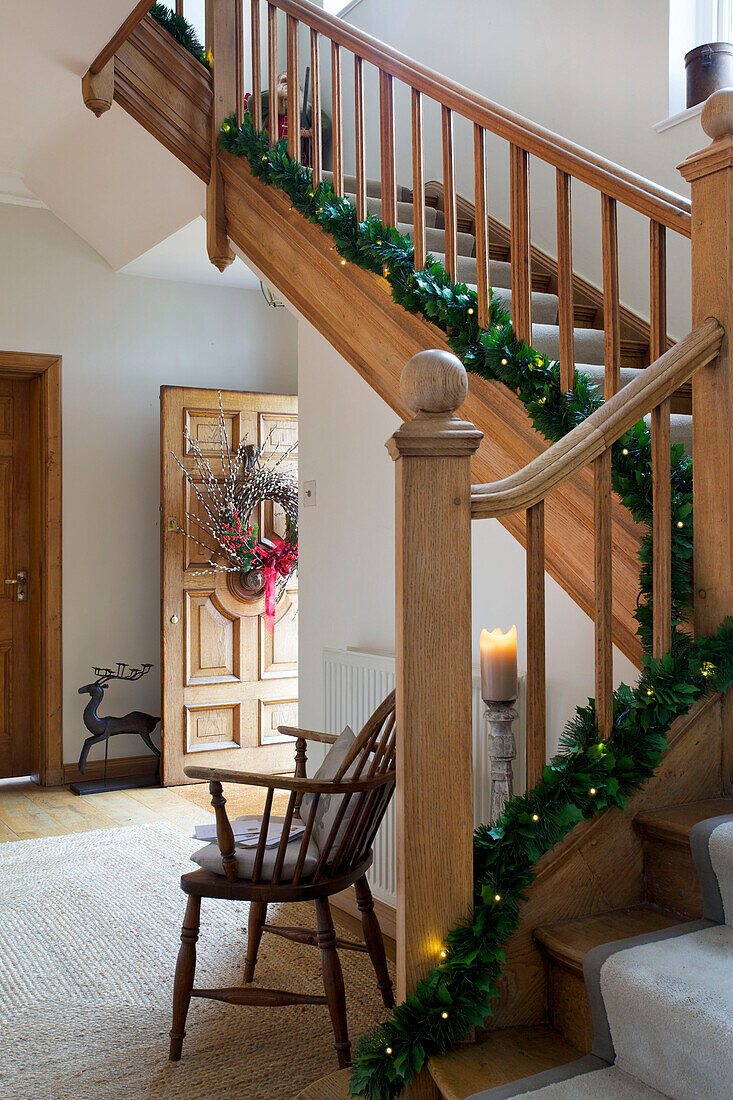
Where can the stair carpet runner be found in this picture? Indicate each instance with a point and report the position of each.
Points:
(589, 342)
(662, 1003)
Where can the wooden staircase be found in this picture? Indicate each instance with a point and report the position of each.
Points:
(670, 895)
(619, 872)
(170, 94)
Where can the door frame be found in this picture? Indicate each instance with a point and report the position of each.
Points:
(43, 372)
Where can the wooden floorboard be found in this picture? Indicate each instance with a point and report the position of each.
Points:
(28, 811)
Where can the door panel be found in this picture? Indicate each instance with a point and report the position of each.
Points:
(16, 744)
(227, 683)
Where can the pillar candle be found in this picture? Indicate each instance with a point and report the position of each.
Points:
(498, 665)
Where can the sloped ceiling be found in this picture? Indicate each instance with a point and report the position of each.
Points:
(110, 181)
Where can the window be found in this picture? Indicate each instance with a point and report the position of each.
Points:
(693, 23)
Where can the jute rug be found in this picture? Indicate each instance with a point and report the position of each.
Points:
(89, 932)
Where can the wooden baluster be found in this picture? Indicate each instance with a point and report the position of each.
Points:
(360, 139)
(481, 226)
(449, 193)
(603, 594)
(566, 312)
(221, 38)
(418, 182)
(179, 7)
(272, 74)
(387, 149)
(710, 175)
(521, 249)
(256, 65)
(611, 322)
(224, 834)
(434, 768)
(338, 119)
(661, 440)
(293, 88)
(316, 140)
(239, 59)
(536, 747)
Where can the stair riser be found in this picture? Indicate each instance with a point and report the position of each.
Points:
(670, 879)
(568, 1007)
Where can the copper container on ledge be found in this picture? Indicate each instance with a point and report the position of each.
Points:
(707, 69)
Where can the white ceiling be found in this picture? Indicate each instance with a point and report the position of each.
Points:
(182, 258)
(106, 178)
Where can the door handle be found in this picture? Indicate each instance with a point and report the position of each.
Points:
(20, 580)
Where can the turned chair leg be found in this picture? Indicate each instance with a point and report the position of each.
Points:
(373, 940)
(185, 970)
(255, 924)
(333, 981)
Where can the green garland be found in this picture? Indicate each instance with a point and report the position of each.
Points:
(180, 29)
(586, 776)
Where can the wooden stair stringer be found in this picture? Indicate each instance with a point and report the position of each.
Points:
(298, 259)
(599, 867)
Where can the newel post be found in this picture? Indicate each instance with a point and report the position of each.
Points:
(224, 45)
(710, 174)
(434, 794)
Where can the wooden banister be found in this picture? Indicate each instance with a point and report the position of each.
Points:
(591, 443)
(602, 428)
(604, 175)
(106, 54)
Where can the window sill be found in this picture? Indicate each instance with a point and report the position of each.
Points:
(676, 120)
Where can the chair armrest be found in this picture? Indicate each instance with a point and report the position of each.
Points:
(307, 735)
(290, 783)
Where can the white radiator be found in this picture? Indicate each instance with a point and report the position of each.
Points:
(355, 684)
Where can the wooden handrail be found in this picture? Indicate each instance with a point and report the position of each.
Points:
(136, 16)
(601, 429)
(610, 179)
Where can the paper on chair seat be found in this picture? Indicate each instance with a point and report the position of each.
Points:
(247, 832)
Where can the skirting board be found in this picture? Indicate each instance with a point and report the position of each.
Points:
(386, 914)
(117, 766)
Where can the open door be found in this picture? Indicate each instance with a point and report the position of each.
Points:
(227, 682)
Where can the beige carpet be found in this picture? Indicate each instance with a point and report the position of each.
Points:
(89, 928)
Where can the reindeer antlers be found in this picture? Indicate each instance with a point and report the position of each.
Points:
(104, 675)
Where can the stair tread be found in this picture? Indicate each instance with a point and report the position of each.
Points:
(568, 941)
(333, 1087)
(500, 1056)
(673, 823)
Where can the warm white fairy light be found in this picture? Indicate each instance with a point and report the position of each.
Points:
(535, 817)
(497, 897)
(592, 791)
(444, 1015)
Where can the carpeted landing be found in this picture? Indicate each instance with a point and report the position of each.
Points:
(662, 1003)
(89, 933)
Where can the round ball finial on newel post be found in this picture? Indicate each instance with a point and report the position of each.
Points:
(434, 382)
(433, 385)
(717, 114)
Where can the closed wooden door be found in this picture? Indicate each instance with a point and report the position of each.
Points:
(227, 682)
(17, 751)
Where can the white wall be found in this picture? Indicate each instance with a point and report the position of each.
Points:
(121, 338)
(346, 570)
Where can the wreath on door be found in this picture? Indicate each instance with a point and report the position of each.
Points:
(230, 498)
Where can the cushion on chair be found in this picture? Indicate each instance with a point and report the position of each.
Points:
(329, 805)
(209, 857)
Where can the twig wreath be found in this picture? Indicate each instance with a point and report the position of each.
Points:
(587, 776)
(249, 476)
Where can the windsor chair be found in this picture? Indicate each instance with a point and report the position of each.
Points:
(340, 816)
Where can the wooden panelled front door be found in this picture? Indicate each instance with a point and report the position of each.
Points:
(17, 751)
(227, 683)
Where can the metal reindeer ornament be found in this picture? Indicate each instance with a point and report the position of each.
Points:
(101, 729)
